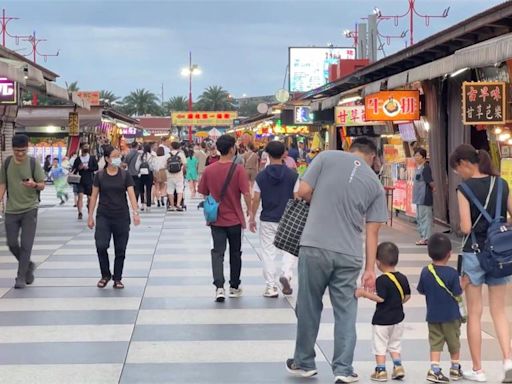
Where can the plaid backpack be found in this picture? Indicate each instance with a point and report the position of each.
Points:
(291, 226)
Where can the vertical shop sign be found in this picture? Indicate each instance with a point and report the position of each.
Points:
(74, 124)
(483, 102)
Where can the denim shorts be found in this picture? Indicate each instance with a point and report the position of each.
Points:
(477, 276)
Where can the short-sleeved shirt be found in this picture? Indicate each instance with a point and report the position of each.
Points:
(346, 193)
(422, 191)
(391, 310)
(183, 160)
(112, 197)
(20, 198)
(230, 209)
(480, 187)
(201, 160)
(441, 306)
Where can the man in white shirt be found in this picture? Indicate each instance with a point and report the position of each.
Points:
(176, 165)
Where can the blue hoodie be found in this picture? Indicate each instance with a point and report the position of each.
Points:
(276, 183)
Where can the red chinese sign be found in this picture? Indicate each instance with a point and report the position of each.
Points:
(393, 106)
(221, 118)
(483, 103)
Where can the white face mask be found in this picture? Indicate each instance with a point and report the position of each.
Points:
(116, 162)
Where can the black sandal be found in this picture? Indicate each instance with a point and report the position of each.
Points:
(103, 282)
(118, 285)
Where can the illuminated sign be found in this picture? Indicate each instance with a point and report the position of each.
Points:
(309, 67)
(393, 106)
(483, 103)
(303, 115)
(93, 97)
(130, 131)
(74, 124)
(8, 91)
(219, 118)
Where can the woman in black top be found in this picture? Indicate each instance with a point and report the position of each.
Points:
(146, 177)
(113, 216)
(476, 169)
(85, 165)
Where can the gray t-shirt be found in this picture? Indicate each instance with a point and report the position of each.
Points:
(346, 191)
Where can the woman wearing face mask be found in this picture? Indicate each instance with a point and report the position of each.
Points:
(111, 185)
(85, 166)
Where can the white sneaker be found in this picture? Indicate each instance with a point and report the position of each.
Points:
(271, 292)
(507, 371)
(235, 292)
(472, 375)
(220, 296)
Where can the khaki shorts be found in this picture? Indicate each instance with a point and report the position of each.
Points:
(175, 183)
(441, 333)
(387, 338)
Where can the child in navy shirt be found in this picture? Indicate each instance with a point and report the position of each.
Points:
(441, 286)
(392, 292)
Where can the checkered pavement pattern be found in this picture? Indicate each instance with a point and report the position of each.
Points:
(165, 326)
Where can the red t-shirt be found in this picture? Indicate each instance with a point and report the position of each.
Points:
(230, 209)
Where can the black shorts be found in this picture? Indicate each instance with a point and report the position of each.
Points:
(86, 189)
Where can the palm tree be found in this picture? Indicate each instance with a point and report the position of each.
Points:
(176, 103)
(108, 97)
(73, 87)
(215, 98)
(141, 102)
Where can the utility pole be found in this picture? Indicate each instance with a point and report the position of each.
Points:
(4, 21)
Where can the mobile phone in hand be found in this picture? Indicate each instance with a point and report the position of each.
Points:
(459, 264)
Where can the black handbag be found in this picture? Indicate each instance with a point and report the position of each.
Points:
(291, 226)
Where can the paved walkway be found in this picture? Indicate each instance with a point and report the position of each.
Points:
(165, 327)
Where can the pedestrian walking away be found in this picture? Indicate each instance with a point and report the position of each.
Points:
(161, 176)
(392, 292)
(274, 187)
(132, 165)
(422, 195)
(475, 168)
(22, 178)
(176, 169)
(230, 218)
(85, 165)
(146, 170)
(111, 186)
(251, 161)
(344, 193)
(192, 173)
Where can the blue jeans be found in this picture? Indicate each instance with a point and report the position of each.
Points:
(424, 220)
(319, 269)
(477, 276)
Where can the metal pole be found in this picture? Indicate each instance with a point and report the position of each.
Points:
(411, 20)
(4, 27)
(190, 94)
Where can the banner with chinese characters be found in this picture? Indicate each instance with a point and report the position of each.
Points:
(393, 106)
(212, 119)
(8, 92)
(74, 124)
(483, 103)
(93, 97)
(352, 116)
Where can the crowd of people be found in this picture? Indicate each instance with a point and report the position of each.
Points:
(339, 243)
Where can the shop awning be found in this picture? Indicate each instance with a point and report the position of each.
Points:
(12, 72)
(398, 80)
(327, 103)
(437, 68)
(486, 53)
(54, 90)
(372, 88)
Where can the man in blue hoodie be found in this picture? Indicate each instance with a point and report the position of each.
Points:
(274, 186)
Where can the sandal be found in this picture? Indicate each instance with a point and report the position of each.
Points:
(118, 285)
(422, 242)
(103, 282)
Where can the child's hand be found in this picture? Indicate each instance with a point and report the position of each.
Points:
(464, 282)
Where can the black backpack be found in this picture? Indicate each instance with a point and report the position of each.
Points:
(32, 169)
(174, 163)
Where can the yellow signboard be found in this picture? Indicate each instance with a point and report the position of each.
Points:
(204, 118)
(506, 171)
(74, 124)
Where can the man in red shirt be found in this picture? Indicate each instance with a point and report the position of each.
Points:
(230, 219)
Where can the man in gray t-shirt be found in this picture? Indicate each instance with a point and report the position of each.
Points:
(346, 197)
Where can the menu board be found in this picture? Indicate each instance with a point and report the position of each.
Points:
(483, 103)
(393, 106)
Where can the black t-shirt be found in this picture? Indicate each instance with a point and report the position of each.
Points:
(391, 310)
(480, 187)
(112, 198)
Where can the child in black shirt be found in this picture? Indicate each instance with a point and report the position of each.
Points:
(441, 286)
(392, 291)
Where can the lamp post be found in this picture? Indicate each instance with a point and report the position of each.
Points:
(192, 69)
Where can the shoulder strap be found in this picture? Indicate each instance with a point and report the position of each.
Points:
(441, 282)
(398, 286)
(228, 180)
(33, 167)
(473, 199)
(6, 166)
(497, 213)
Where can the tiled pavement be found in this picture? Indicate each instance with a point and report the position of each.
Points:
(165, 327)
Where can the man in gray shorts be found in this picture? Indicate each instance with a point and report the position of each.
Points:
(345, 196)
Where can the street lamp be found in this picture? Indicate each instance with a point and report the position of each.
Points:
(192, 69)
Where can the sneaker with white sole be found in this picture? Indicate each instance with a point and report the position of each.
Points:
(346, 379)
(271, 292)
(297, 371)
(286, 287)
(478, 376)
(220, 295)
(507, 371)
(235, 292)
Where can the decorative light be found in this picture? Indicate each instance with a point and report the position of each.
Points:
(497, 131)
(427, 126)
(456, 73)
(504, 136)
(350, 99)
(509, 142)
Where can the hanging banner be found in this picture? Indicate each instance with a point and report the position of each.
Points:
(212, 119)
(393, 106)
(352, 116)
(93, 97)
(483, 103)
(74, 124)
